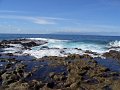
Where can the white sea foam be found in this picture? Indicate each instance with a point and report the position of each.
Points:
(50, 52)
(54, 43)
(114, 44)
(66, 47)
(13, 49)
(42, 53)
(55, 52)
(16, 45)
(48, 40)
(62, 48)
(73, 51)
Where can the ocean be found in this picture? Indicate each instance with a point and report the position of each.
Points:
(86, 42)
(84, 38)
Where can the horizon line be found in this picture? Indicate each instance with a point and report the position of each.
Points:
(57, 34)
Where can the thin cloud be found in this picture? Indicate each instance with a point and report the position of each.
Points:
(54, 18)
(36, 20)
(43, 21)
(7, 11)
(12, 12)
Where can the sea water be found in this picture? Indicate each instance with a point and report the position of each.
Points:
(68, 44)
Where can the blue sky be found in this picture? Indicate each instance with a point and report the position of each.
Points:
(51, 16)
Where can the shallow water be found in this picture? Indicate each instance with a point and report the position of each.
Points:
(43, 68)
(43, 72)
(20, 57)
(112, 64)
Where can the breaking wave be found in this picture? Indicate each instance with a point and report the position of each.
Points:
(62, 48)
(56, 47)
(114, 44)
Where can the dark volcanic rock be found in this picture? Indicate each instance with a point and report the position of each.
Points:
(50, 85)
(90, 52)
(76, 73)
(35, 85)
(8, 66)
(27, 43)
(19, 86)
(31, 43)
(112, 54)
(4, 46)
(83, 74)
(9, 77)
(9, 54)
(44, 47)
(77, 56)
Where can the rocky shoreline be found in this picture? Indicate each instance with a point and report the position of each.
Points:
(73, 72)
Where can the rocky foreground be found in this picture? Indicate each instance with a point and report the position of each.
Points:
(74, 72)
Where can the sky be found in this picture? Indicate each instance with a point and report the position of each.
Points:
(59, 16)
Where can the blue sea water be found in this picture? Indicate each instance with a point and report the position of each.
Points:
(85, 42)
(82, 38)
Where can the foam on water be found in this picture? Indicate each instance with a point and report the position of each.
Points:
(42, 53)
(114, 44)
(62, 48)
(56, 52)
(48, 40)
(71, 44)
(13, 49)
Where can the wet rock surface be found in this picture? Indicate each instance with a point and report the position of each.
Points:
(74, 72)
(26, 43)
(112, 54)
